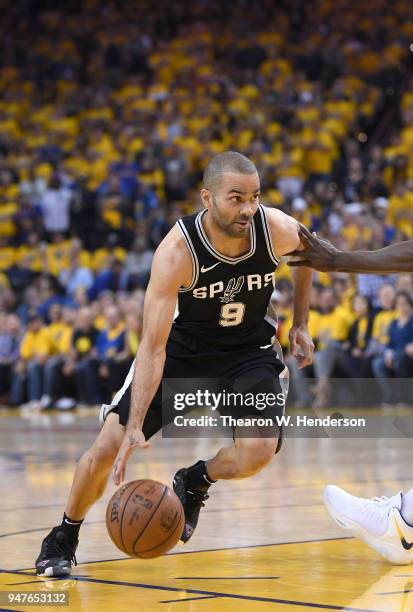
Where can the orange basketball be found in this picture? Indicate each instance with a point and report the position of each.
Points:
(145, 518)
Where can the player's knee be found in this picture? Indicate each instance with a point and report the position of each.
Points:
(254, 455)
(100, 457)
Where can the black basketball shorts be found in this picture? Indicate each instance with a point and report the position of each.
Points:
(187, 357)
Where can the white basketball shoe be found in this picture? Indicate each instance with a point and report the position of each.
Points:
(377, 521)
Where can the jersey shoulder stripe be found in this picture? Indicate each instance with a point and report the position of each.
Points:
(267, 235)
(192, 252)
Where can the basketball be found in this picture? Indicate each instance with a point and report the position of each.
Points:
(145, 519)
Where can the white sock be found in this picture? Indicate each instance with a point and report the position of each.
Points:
(407, 507)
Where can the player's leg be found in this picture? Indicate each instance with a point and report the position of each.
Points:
(93, 469)
(385, 524)
(247, 456)
(92, 472)
(90, 478)
(256, 373)
(250, 452)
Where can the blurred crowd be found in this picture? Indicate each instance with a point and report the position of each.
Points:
(109, 112)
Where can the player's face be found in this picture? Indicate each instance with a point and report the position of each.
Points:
(234, 203)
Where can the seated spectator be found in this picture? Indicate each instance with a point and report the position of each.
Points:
(10, 338)
(34, 352)
(356, 348)
(397, 360)
(82, 362)
(60, 334)
(119, 364)
(110, 344)
(382, 320)
(359, 336)
(332, 331)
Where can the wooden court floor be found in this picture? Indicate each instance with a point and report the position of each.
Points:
(262, 543)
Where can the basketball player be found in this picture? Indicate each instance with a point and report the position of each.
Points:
(218, 267)
(386, 524)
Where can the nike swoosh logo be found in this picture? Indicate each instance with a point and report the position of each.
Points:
(203, 269)
(406, 544)
(266, 346)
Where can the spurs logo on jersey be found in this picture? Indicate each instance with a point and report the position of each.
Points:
(232, 289)
(233, 296)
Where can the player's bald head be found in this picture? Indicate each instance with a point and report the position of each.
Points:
(226, 162)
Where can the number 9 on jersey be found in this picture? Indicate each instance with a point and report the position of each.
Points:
(232, 314)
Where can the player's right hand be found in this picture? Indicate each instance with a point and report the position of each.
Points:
(133, 438)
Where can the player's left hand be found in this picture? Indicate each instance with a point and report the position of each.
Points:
(133, 438)
(315, 252)
(301, 345)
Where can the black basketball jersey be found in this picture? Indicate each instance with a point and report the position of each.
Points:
(228, 301)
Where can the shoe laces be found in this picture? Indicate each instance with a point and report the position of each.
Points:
(378, 506)
(55, 548)
(198, 497)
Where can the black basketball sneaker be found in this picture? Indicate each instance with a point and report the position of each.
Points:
(192, 502)
(56, 555)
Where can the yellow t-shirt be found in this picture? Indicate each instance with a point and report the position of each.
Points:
(132, 340)
(7, 212)
(29, 258)
(7, 257)
(35, 344)
(334, 325)
(100, 256)
(60, 336)
(381, 324)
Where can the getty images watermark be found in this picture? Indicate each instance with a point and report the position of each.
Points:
(210, 408)
(257, 402)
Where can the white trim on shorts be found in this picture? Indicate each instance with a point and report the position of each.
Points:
(106, 408)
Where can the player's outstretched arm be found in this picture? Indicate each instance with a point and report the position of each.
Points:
(284, 234)
(323, 256)
(171, 269)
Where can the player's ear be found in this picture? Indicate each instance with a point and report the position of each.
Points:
(206, 197)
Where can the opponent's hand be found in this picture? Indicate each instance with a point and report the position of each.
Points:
(318, 254)
(301, 345)
(132, 439)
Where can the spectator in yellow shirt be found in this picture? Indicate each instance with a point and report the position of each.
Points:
(34, 353)
(333, 328)
(382, 320)
(60, 334)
